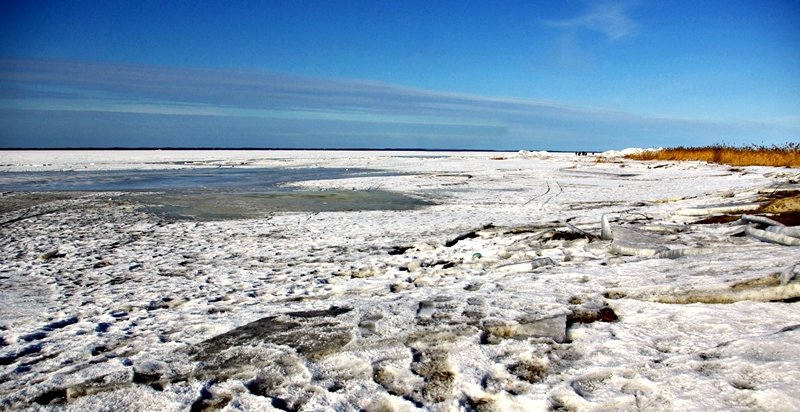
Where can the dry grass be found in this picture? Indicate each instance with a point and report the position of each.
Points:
(787, 156)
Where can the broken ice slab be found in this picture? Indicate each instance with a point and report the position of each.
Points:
(313, 334)
(527, 266)
(631, 242)
(718, 209)
(760, 220)
(534, 320)
(793, 231)
(553, 327)
(771, 237)
(694, 251)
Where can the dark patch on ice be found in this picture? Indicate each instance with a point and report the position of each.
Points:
(206, 401)
(59, 324)
(55, 396)
(399, 250)
(473, 286)
(153, 380)
(717, 219)
(314, 334)
(34, 336)
(425, 308)
(469, 235)
(29, 350)
(260, 387)
(591, 315)
(279, 403)
(212, 206)
(787, 218)
(53, 254)
(98, 350)
(416, 403)
(431, 365)
(614, 294)
(564, 235)
(334, 311)
(789, 328)
(532, 370)
(157, 304)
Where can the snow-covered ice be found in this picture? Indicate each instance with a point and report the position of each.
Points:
(499, 296)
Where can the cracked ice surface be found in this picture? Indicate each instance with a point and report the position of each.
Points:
(107, 306)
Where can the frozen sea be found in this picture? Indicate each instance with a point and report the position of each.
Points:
(496, 292)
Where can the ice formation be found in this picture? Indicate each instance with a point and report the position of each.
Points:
(530, 281)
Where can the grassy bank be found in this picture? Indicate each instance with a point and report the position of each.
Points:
(787, 155)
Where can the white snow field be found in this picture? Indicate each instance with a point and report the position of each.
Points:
(501, 296)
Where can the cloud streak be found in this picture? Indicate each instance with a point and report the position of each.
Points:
(58, 103)
(608, 18)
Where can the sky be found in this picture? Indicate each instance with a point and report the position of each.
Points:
(504, 75)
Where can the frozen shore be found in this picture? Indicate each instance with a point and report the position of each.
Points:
(499, 296)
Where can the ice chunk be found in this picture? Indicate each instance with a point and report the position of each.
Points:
(771, 237)
(695, 251)
(531, 326)
(788, 274)
(631, 242)
(605, 229)
(760, 219)
(792, 231)
(718, 210)
(527, 266)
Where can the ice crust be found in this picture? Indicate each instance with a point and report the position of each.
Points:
(490, 299)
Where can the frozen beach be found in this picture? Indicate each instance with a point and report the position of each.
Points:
(498, 292)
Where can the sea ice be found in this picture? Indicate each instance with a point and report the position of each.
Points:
(530, 281)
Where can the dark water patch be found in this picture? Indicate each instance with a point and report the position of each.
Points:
(207, 193)
(230, 206)
(206, 179)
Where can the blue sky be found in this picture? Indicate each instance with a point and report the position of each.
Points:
(558, 75)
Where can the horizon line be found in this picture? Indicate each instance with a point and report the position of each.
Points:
(337, 149)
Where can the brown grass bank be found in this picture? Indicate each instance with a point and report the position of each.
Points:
(787, 155)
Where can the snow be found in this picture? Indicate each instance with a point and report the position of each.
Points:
(105, 304)
(626, 152)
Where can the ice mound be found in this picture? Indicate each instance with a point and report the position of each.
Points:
(624, 152)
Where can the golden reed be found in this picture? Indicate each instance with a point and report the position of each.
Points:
(787, 155)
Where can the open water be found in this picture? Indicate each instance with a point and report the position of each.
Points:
(217, 193)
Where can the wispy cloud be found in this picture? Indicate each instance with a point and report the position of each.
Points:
(609, 18)
(58, 103)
